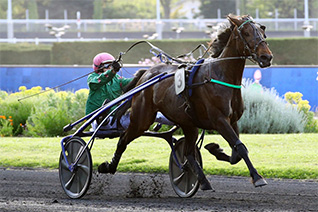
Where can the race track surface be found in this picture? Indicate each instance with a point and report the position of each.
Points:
(40, 190)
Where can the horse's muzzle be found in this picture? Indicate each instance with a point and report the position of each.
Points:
(265, 60)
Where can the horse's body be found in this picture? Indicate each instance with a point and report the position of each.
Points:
(211, 106)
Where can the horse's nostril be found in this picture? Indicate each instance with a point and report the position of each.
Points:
(266, 57)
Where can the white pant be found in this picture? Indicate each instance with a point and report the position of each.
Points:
(124, 121)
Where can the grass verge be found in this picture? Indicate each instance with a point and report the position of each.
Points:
(290, 156)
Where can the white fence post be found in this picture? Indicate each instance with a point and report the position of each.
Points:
(9, 22)
(158, 21)
(306, 26)
(27, 18)
(78, 22)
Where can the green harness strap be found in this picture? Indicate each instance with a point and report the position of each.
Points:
(226, 84)
(245, 22)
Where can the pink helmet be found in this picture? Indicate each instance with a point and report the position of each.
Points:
(100, 59)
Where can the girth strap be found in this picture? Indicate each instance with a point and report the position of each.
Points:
(191, 75)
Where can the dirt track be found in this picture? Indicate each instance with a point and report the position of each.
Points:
(40, 190)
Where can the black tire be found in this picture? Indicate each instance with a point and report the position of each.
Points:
(76, 183)
(184, 182)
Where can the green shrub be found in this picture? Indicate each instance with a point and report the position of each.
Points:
(266, 112)
(41, 115)
(18, 111)
(6, 128)
(55, 111)
(3, 95)
(296, 100)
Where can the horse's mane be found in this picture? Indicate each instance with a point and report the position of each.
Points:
(221, 38)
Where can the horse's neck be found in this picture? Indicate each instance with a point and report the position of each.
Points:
(232, 69)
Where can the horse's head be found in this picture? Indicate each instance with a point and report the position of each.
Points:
(252, 38)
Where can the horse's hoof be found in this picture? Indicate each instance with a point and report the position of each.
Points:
(260, 182)
(213, 148)
(205, 185)
(105, 168)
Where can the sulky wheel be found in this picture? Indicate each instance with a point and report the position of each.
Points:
(184, 182)
(76, 183)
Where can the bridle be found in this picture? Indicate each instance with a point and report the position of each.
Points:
(258, 39)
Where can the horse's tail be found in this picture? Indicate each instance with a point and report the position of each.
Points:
(136, 78)
(121, 111)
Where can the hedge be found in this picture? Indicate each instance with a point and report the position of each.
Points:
(25, 54)
(287, 51)
(81, 53)
(294, 51)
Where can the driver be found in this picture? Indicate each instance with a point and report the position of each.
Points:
(104, 83)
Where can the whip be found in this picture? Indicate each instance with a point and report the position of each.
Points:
(73, 80)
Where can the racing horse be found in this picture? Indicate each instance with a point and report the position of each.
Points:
(215, 104)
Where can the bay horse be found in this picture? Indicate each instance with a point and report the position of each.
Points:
(212, 106)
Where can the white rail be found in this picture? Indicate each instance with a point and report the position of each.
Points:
(39, 26)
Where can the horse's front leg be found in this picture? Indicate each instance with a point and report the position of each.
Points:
(229, 134)
(216, 150)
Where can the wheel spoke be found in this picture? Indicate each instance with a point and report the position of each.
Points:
(78, 153)
(84, 168)
(78, 184)
(69, 182)
(64, 164)
(178, 179)
(186, 186)
(70, 151)
(180, 155)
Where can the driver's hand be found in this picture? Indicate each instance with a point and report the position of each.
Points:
(116, 66)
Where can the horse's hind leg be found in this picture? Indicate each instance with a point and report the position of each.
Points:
(190, 139)
(139, 123)
(228, 133)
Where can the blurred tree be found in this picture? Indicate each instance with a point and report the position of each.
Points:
(285, 8)
(129, 9)
(18, 8)
(98, 9)
(3, 9)
(209, 8)
(266, 8)
(166, 4)
(33, 9)
(56, 8)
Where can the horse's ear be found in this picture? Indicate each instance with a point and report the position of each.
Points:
(234, 19)
(262, 27)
